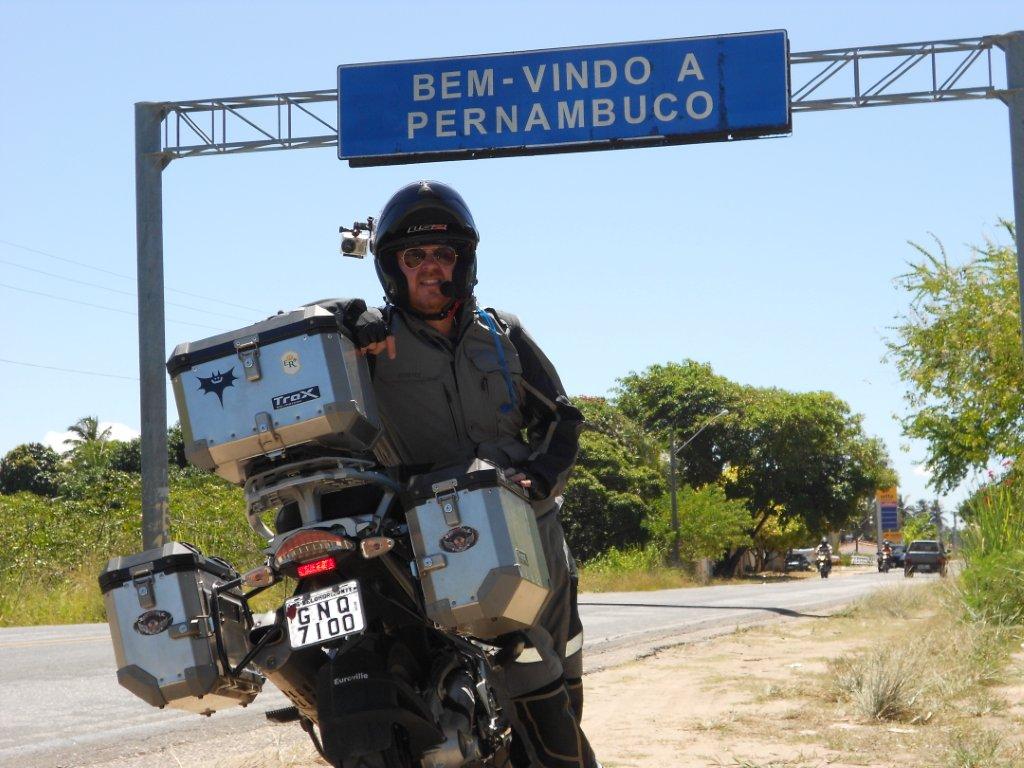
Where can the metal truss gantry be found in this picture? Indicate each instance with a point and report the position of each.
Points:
(840, 78)
(881, 75)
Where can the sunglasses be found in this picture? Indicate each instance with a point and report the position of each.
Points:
(443, 255)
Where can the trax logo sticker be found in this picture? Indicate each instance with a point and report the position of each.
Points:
(217, 383)
(290, 363)
(296, 397)
(459, 539)
(427, 228)
(152, 622)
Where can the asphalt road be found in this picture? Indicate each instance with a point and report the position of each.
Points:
(61, 706)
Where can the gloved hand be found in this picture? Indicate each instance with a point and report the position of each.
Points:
(372, 334)
(529, 482)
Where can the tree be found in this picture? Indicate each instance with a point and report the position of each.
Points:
(919, 521)
(709, 523)
(176, 446)
(614, 484)
(31, 467)
(791, 456)
(86, 430)
(90, 446)
(683, 397)
(959, 350)
(805, 455)
(126, 456)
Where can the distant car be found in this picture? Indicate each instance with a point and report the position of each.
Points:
(924, 555)
(797, 562)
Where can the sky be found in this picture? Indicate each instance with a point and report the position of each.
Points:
(773, 260)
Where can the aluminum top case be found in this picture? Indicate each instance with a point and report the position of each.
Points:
(478, 550)
(290, 380)
(161, 616)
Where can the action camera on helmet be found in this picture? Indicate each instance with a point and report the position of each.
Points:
(355, 242)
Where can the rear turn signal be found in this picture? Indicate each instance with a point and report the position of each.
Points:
(375, 546)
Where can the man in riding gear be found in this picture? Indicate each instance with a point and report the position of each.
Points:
(824, 548)
(453, 382)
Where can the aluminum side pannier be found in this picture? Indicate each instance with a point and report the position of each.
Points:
(162, 616)
(478, 550)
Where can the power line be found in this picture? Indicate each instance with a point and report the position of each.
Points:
(68, 370)
(99, 306)
(125, 277)
(116, 290)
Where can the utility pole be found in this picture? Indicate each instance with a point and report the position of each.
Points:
(149, 165)
(672, 492)
(1013, 46)
(672, 455)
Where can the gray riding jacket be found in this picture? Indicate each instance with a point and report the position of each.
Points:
(445, 401)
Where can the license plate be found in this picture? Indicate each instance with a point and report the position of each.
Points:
(326, 614)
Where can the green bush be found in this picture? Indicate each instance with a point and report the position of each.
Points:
(992, 587)
(126, 456)
(616, 479)
(31, 467)
(628, 559)
(992, 584)
(709, 523)
(97, 516)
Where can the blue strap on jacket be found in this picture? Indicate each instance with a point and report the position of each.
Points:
(499, 349)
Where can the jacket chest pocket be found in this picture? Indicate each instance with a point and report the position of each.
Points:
(493, 391)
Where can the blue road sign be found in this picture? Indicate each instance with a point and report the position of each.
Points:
(565, 99)
(890, 518)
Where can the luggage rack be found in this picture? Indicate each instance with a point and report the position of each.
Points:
(303, 483)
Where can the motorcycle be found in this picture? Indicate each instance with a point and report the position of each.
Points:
(823, 563)
(391, 687)
(392, 644)
(884, 562)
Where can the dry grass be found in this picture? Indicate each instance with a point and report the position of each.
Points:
(982, 749)
(938, 662)
(638, 580)
(897, 602)
(882, 684)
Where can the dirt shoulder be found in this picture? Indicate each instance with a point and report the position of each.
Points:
(761, 698)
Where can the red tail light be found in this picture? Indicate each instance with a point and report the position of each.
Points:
(305, 546)
(323, 565)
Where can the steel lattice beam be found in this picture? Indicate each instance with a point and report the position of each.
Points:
(869, 76)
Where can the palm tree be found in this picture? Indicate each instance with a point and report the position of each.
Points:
(86, 431)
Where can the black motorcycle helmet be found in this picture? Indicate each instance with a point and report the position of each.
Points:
(418, 213)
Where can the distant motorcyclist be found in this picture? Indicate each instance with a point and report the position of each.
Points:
(824, 557)
(885, 557)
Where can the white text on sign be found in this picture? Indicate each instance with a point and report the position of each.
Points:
(555, 77)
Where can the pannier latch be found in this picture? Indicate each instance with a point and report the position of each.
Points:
(270, 441)
(248, 351)
(448, 499)
(198, 627)
(142, 578)
(431, 563)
